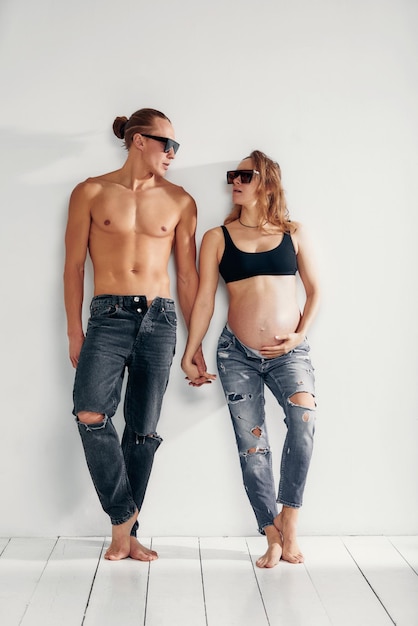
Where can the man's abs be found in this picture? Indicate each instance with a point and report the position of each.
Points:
(132, 282)
(131, 264)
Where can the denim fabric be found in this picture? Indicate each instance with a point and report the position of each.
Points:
(243, 375)
(124, 333)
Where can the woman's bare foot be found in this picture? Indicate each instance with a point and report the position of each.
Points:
(120, 545)
(274, 550)
(286, 522)
(141, 553)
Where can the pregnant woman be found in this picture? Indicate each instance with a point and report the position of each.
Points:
(259, 253)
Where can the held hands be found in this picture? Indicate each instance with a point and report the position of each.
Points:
(285, 343)
(199, 360)
(195, 370)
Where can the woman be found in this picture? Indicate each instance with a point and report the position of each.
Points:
(258, 252)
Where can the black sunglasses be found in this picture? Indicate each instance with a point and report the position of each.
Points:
(168, 143)
(246, 176)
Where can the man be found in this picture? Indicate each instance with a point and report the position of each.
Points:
(129, 220)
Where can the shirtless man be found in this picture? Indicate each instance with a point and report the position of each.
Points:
(129, 220)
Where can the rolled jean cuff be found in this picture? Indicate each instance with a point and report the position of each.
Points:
(290, 505)
(261, 528)
(118, 522)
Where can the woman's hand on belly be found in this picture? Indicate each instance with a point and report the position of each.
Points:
(283, 344)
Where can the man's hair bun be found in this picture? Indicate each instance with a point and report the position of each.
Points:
(119, 126)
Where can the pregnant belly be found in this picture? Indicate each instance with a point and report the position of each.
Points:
(257, 331)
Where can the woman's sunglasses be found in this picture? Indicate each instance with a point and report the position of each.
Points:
(168, 143)
(246, 176)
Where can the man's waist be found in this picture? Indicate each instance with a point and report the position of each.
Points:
(133, 300)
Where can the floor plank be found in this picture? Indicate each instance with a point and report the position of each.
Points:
(120, 592)
(3, 543)
(343, 590)
(212, 581)
(62, 594)
(21, 565)
(288, 594)
(408, 548)
(231, 591)
(393, 580)
(175, 593)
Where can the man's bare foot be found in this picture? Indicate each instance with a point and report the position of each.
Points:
(139, 552)
(286, 522)
(120, 545)
(274, 550)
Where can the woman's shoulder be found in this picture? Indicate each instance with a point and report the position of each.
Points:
(213, 239)
(293, 227)
(296, 229)
(214, 234)
(300, 236)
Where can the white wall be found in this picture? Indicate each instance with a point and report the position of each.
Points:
(329, 88)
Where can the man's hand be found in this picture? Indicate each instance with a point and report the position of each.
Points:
(195, 370)
(285, 343)
(75, 345)
(199, 360)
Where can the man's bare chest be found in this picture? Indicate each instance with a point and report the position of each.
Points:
(157, 218)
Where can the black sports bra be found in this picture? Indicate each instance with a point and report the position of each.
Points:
(237, 265)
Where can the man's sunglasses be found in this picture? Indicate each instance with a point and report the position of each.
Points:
(168, 143)
(246, 176)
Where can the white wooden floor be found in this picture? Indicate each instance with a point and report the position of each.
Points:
(345, 581)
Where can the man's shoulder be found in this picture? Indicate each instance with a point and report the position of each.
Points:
(93, 186)
(177, 192)
(89, 186)
(172, 187)
(103, 180)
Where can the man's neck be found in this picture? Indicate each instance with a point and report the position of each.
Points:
(136, 175)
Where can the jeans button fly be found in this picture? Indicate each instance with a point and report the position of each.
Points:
(136, 299)
(139, 310)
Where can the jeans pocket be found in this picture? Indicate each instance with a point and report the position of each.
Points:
(170, 317)
(97, 309)
(224, 343)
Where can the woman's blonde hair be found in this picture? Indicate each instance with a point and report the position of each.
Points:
(271, 200)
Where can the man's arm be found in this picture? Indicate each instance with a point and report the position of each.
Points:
(203, 307)
(187, 276)
(76, 243)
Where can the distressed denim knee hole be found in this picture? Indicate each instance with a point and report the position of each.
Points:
(90, 417)
(142, 439)
(303, 399)
(97, 424)
(233, 398)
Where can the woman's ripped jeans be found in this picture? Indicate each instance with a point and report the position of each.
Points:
(243, 375)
